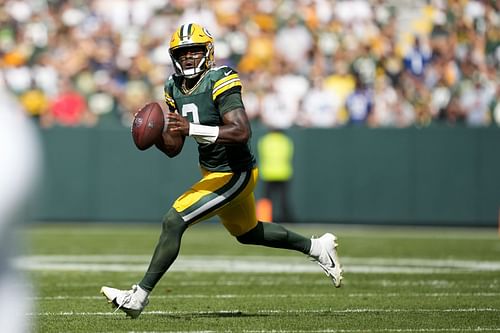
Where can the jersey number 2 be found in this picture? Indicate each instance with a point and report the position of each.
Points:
(193, 109)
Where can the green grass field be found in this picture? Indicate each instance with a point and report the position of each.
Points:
(396, 280)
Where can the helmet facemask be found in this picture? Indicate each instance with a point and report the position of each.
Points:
(204, 63)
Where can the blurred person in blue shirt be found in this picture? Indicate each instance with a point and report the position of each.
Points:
(416, 60)
(359, 104)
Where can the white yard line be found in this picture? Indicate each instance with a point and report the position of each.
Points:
(231, 296)
(286, 280)
(285, 264)
(238, 312)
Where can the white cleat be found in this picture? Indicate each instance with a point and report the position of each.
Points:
(328, 259)
(125, 300)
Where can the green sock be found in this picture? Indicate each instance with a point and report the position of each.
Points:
(277, 236)
(166, 251)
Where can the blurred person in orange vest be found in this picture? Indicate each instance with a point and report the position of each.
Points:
(276, 151)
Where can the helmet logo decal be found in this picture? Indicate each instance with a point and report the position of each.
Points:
(207, 33)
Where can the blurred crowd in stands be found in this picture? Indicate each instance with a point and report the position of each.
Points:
(305, 63)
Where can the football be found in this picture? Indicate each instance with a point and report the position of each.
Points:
(148, 125)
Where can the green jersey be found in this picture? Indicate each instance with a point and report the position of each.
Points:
(218, 91)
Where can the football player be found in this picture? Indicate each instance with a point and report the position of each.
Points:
(205, 103)
(20, 160)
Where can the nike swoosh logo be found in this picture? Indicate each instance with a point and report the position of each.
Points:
(227, 73)
(331, 260)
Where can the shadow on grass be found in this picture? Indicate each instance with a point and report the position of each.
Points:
(215, 314)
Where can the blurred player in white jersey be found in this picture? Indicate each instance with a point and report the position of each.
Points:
(19, 166)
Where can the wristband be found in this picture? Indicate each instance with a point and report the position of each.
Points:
(203, 133)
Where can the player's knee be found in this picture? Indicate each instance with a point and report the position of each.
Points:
(173, 222)
(252, 236)
(243, 239)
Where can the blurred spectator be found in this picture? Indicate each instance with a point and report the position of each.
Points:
(404, 111)
(17, 73)
(391, 65)
(293, 44)
(291, 87)
(260, 50)
(69, 108)
(359, 104)
(136, 90)
(45, 75)
(453, 113)
(277, 110)
(386, 104)
(475, 99)
(320, 107)
(417, 58)
(342, 83)
(440, 98)
(200, 11)
(34, 102)
(364, 66)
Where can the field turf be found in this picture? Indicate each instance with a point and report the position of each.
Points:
(396, 280)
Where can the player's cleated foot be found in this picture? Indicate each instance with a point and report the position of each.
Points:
(328, 259)
(128, 301)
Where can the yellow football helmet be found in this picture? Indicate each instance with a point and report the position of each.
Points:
(192, 35)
